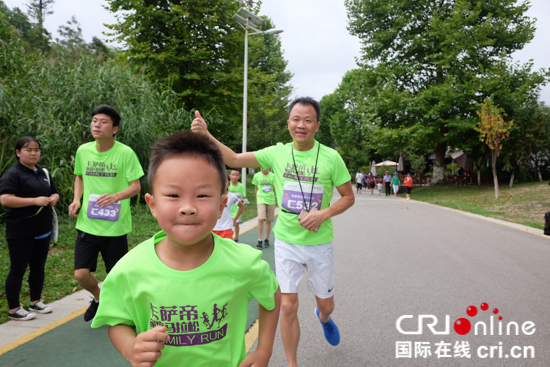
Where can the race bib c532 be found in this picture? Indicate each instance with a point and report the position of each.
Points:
(110, 212)
(293, 200)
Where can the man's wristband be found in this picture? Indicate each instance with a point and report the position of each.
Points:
(118, 197)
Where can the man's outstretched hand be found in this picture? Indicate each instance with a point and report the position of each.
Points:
(199, 125)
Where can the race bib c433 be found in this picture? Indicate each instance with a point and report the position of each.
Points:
(293, 200)
(110, 212)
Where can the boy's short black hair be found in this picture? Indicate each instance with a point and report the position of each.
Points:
(109, 111)
(190, 144)
(306, 101)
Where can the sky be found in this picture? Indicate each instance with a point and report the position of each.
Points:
(316, 43)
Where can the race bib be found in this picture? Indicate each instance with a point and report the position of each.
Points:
(293, 200)
(267, 189)
(110, 212)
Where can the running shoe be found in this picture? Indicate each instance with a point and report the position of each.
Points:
(21, 315)
(259, 245)
(266, 242)
(91, 311)
(40, 307)
(332, 335)
(236, 240)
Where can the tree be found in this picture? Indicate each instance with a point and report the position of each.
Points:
(493, 130)
(37, 10)
(193, 46)
(432, 61)
(71, 34)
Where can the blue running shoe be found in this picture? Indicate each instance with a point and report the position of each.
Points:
(332, 335)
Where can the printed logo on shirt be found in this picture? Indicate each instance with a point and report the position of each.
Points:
(101, 169)
(185, 326)
(305, 172)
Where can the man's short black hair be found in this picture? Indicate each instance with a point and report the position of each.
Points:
(109, 111)
(189, 144)
(306, 101)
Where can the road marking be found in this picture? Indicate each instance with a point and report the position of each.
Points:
(251, 336)
(44, 329)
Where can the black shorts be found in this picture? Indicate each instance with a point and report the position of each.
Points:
(88, 246)
(359, 186)
(408, 189)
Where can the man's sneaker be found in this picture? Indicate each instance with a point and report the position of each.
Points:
(332, 335)
(21, 315)
(236, 240)
(40, 307)
(91, 311)
(259, 245)
(266, 242)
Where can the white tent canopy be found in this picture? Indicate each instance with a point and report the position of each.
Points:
(386, 163)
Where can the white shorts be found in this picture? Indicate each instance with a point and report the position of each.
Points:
(238, 220)
(292, 260)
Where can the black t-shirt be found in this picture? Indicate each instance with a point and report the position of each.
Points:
(23, 182)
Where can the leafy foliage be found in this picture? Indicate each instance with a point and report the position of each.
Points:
(428, 64)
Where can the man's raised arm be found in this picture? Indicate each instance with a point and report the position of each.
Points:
(231, 159)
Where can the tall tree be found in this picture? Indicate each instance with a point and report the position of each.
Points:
(37, 10)
(433, 61)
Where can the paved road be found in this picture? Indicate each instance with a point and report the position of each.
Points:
(393, 258)
(397, 257)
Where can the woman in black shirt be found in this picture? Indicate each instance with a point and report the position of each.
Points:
(28, 199)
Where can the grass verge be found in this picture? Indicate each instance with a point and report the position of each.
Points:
(525, 203)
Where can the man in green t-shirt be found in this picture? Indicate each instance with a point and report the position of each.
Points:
(236, 188)
(305, 174)
(107, 176)
(265, 199)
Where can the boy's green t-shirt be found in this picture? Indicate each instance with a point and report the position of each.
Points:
(266, 193)
(105, 172)
(240, 192)
(204, 309)
(331, 172)
(395, 180)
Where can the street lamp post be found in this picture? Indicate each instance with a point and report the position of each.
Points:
(249, 21)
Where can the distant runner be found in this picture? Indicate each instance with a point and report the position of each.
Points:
(265, 199)
(305, 174)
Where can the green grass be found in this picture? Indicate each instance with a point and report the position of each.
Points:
(525, 203)
(59, 280)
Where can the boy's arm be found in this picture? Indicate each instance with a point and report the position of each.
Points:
(78, 191)
(256, 192)
(141, 350)
(241, 208)
(268, 325)
(230, 158)
(109, 199)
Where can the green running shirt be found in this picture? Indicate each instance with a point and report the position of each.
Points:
(204, 309)
(331, 172)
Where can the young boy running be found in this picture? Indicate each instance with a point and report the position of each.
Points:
(224, 226)
(236, 188)
(306, 173)
(265, 199)
(181, 297)
(107, 176)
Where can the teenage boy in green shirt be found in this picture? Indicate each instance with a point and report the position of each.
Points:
(265, 202)
(107, 176)
(236, 188)
(181, 298)
(301, 241)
